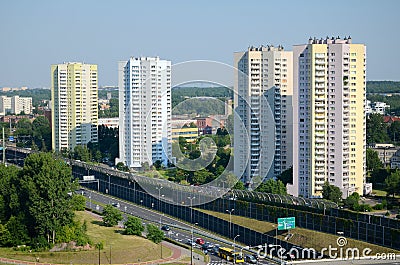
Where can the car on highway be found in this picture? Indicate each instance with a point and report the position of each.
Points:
(190, 242)
(207, 246)
(215, 249)
(115, 204)
(165, 228)
(250, 259)
(200, 241)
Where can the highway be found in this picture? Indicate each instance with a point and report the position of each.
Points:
(179, 231)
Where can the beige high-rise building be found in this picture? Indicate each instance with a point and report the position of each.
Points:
(74, 104)
(263, 101)
(329, 122)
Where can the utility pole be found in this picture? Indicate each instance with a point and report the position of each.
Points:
(4, 149)
(191, 222)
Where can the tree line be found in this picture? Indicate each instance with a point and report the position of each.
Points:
(380, 132)
(383, 87)
(37, 204)
(133, 225)
(34, 134)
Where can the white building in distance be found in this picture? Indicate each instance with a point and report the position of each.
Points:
(15, 105)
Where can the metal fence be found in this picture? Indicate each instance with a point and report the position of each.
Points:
(376, 230)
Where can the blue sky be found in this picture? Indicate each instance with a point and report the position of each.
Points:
(36, 34)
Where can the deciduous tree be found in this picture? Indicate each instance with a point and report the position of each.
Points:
(111, 216)
(133, 226)
(331, 192)
(154, 233)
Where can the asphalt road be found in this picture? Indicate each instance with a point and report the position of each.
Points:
(179, 231)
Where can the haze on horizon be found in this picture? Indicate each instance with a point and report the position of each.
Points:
(36, 34)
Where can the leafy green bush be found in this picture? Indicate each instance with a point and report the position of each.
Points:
(133, 226)
(154, 233)
(99, 245)
(78, 202)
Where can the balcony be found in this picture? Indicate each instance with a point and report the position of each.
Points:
(320, 150)
(319, 182)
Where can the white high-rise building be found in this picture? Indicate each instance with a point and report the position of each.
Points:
(21, 104)
(5, 105)
(144, 111)
(15, 105)
(263, 102)
(329, 122)
(74, 105)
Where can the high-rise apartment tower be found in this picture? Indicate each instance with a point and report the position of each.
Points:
(329, 121)
(144, 111)
(263, 103)
(74, 105)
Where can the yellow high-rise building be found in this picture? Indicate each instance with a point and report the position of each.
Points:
(74, 105)
(329, 122)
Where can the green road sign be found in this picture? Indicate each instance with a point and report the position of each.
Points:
(286, 223)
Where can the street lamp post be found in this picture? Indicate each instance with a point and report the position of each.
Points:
(159, 197)
(230, 221)
(109, 183)
(191, 222)
(234, 248)
(90, 200)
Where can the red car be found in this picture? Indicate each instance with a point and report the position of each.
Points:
(200, 241)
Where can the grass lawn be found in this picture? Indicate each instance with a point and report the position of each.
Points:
(303, 237)
(124, 249)
(380, 193)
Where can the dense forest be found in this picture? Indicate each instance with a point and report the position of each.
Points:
(199, 106)
(383, 87)
(179, 94)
